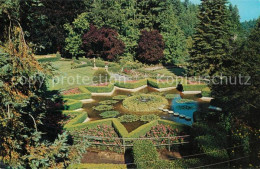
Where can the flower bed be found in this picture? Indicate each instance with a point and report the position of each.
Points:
(71, 91)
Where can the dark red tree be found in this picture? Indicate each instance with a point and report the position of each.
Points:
(150, 47)
(103, 43)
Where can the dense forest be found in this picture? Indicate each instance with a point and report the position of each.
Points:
(206, 40)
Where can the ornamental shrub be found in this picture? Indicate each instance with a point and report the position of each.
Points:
(103, 42)
(149, 118)
(108, 102)
(119, 97)
(128, 118)
(150, 47)
(103, 108)
(101, 76)
(109, 114)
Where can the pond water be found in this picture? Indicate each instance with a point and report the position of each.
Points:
(186, 109)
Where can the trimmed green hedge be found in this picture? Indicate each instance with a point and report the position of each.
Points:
(78, 120)
(142, 130)
(119, 128)
(145, 154)
(90, 124)
(80, 96)
(206, 92)
(72, 104)
(97, 166)
(197, 87)
(131, 85)
(155, 84)
(51, 59)
(100, 89)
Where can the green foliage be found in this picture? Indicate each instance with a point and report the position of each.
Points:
(197, 87)
(149, 118)
(99, 166)
(128, 118)
(131, 85)
(160, 84)
(78, 120)
(109, 114)
(145, 154)
(142, 130)
(103, 108)
(144, 103)
(101, 76)
(108, 102)
(72, 104)
(206, 92)
(81, 96)
(211, 47)
(51, 59)
(119, 97)
(185, 101)
(101, 89)
(90, 124)
(120, 128)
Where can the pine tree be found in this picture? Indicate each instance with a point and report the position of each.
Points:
(211, 41)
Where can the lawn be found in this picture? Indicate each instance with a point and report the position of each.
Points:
(66, 78)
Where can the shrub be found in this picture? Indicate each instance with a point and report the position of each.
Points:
(150, 47)
(131, 85)
(103, 108)
(102, 42)
(120, 128)
(144, 103)
(81, 117)
(197, 87)
(142, 130)
(171, 96)
(160, 84)
(109, 114)
(72, 104)
(145, 154)
(149, 118)
(119, 97)
(206, 92)
(101, 89)
(108, 102)
(101, 76)
(97, 166)
(184, 101)
(128, 118)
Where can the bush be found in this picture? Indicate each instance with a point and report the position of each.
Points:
(128, 118)
(131, 85)
(197, 87)
(78, 120)
(78, 96)
(120, 128)
(90, 124)
(108, 102)
(97, 166)
(206, 92)
(101, 89)
(142, 130)
(144, 103)
(149, 118)
(145, 154)
(150, 47)
(119, 97)
(103, 108)
(109, 114)
(160, 84)
(72, 104)
(185, 101)
(101, 76)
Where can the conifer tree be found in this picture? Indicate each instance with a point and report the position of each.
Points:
(211, 40)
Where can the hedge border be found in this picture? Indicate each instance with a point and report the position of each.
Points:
(132, 85)
(97, 166)
(72, 104)
(100, 89)
(154, 83)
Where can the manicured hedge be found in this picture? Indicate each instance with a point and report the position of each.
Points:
(206, 92)
(197, 87)
(145, 154)
(97, 166)
(154, 83)
(90, 124)
(131, 85)
(142, 130)
(51, 59)
(84, 90)
(78, 120)
(100, 89)
(80, 96)
(120, 128)
(72, 104)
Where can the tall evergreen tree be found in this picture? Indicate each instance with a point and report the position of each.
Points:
(211, 41)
